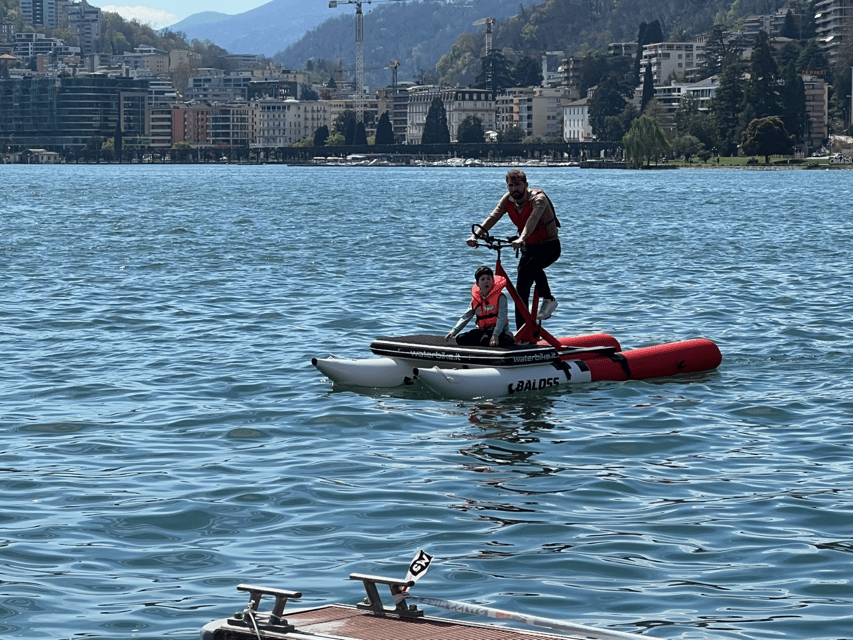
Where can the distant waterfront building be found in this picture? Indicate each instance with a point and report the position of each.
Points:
(85, 20)
(834, 24)
(63, 113)
(214, 85)
(230, 125)
(817, 108)
(670, 60)
(459, 103)
(514, 108)
(281, 123)
(189, 124)
(576, 127)
(548, 110)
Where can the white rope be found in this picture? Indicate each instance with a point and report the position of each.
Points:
(250, 614)
(534, 621)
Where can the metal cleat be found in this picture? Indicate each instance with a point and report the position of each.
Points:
(374, 603)
(251, 617)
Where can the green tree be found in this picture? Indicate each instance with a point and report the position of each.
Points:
(812, 59)
(607, 101)
(648, 34)
(384, 130)
(320, 136)
(471, 130)
(725, 107)
(687, 146)
(511, 135)
(648, 87)
(719, 48)
(789, 28)
(766, 137)
(341, 122)
(527, 73)
(793, 103)
(349, 134)
(360, 134)
(761, 92)
(336, 140)
(495, 72)
(435, 126)
(645, 140)
(690, 121)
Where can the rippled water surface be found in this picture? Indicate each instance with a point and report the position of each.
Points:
(164, 437)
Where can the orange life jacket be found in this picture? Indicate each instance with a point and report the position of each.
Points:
(519, 218)
(487, 310)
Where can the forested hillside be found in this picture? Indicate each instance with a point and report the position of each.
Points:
(416, 33)
(423, 34)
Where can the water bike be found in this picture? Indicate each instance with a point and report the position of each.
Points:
(537, 361)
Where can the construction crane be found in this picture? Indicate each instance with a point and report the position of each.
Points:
(488, 22)
(359, 51)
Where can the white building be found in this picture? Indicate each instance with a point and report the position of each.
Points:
(576, 127)
(459, 103)
(281, 123)
(548, 109)
(671, 60)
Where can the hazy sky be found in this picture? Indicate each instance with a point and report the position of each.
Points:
(162, 13)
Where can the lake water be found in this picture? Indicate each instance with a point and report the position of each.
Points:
(164, 437)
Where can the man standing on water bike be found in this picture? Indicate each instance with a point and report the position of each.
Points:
(533, 214)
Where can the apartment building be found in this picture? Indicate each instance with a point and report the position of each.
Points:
(671, 60)
(86, 22)
(230, 124)
(576, 127)
(63, 113)
(459, 103)
(548, 110)
(189, 124)
(514, 108)
(281, 123)
(817, 108)
(215, 85)
(834, 24)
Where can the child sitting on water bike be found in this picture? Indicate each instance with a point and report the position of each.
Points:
(489, 304)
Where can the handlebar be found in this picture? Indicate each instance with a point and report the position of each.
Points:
(489, 241)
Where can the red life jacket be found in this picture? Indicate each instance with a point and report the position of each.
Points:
(519, 218)
(487, 310)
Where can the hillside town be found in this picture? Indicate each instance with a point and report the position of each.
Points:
(58, 101)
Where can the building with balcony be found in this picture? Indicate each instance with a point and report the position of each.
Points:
(576, 127)
(63, 113)
(459, 103)
(86, 22)
(230, 125)
(671, 60)
(281, 123)
(215, 85)
(514, 108)
(189, 124)
(834, 24)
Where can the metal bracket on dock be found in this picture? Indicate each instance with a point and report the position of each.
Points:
(271, 621)
(374, 603)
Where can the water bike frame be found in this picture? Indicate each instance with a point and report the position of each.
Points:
(531, 331)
